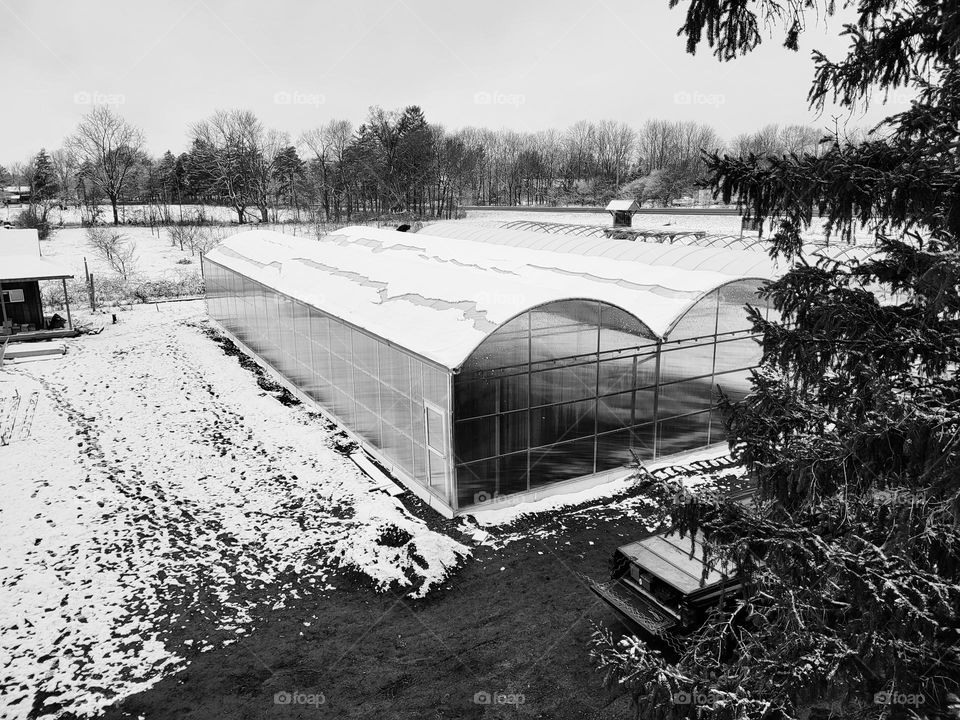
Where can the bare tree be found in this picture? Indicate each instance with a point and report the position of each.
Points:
(109, 148)
(239, 153)
(328, 143)
(66, 170)
(117, 249)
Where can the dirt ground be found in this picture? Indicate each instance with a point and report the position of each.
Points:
(515, 620)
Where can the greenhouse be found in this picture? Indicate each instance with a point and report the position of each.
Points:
(480, 365)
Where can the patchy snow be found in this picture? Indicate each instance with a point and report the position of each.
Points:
(506, 514)
(154, 479)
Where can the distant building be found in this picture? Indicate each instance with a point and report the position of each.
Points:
(15, 194)
(622, 211)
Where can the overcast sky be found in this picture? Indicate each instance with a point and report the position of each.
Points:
(523, 65)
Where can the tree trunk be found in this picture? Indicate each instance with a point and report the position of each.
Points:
(113, 204)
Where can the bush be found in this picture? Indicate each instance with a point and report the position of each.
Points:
(114, 290)
(117, 249)
(30, 219)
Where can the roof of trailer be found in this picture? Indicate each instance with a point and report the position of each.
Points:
(441, 296)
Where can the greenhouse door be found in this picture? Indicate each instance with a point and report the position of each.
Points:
(437, 447)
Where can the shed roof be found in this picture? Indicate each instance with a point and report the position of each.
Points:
(21, 241)
(441, 296)
(20, 258)
(628, 205)
(31, 267)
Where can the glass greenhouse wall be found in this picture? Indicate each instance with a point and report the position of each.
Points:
(578, 387)
(394, 400)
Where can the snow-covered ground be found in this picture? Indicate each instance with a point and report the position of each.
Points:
(156, 257)
(143, 214)
(154, 479)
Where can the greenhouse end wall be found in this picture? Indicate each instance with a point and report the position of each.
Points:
(576, 388)
(396, 401)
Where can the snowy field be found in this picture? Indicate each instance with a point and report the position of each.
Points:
(144, 213)
(714, 224)
(154, 479)
(156, 259)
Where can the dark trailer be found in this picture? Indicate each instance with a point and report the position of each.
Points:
(661, 583)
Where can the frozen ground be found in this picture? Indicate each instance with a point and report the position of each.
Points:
(154, 480)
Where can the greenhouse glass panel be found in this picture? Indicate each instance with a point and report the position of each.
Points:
(734, 299)
(699, 321)
(554, 423)
(563, 384)
(616, 374)
(566, 329)
(738, 354)
(514, 431)
(476, 482)
(507, 346)
(682, 433)
(512, 473)
(561, 462)
(619, 329)
(475, 439)
(614, 412)
(475, 397)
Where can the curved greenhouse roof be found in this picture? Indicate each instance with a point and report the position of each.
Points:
(839, 251)
(739, 263)
(440, 292)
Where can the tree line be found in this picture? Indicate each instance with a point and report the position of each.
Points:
(393, 162)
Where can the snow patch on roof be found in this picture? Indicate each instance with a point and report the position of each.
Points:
(439, 296)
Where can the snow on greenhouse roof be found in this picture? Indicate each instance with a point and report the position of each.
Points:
(439, 296)
(739, 263)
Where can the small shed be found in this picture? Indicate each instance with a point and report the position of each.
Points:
(622, 211)
(22, 267)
